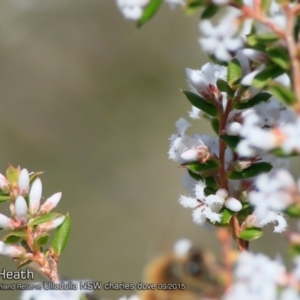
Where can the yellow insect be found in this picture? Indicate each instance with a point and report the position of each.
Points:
(186, 273)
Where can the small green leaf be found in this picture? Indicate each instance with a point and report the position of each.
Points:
(231, 140)
(224, 87)
(14, 236)
(283, 93)
(215, 124)
(209, 191)
(200, 103)
(149, 11)
(260, 97)
(265, 4)
(198, 167)
(280, 153)
(33, 176)
(194, 6)
(266, 75)
(41, 240)
(280, 57)
(12, 175)
(250, 234)
(293, 211)
(23, 263)
(262, 39)
(61, 236)
(194, 175)
(226, 215)
(4, 198)
(253, 170)
(211, 182)
(234, 72)
(294, 250)
(209, 11)
(45, 218)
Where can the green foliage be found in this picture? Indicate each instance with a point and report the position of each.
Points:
(253, 170)
(200, 103)
(149, 11)
(61, 236)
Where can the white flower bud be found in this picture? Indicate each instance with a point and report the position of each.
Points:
(52, 224)
(190, 155)
(51, 202)
(21, 210)
(233, 204)
(35, 196)
(6, 223)
(23, 182)
(233, 128)
(11, 251)
(222, 193)
(4, 185)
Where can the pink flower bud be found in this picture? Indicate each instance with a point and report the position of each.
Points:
(190, 155)
(51, 202)
(21, 210)
(6, 223)
(53, 224)
(233, 204)
(35, 196)
(23, 182)
(11, 251)
(222, 193)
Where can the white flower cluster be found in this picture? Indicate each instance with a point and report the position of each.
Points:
(258, 277)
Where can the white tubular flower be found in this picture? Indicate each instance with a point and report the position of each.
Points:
(51, 202)
(132, 9)
(205, 207)
(23, 182)
(186, 148)
(6, 223)
(52, 224)
(204, 81)
(222, 39)
(260, 218)
(256, 277)
(35, 196)
(21, 210)
(11, 251)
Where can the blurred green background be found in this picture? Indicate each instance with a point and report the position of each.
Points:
(92, 101)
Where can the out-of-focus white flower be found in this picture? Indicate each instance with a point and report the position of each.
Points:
(274, 191)
(174, 3)
(224, 39)
(132, 9)
(182, 247)
(205, 207)
(256, 277)
(132, 297)
(35, 196)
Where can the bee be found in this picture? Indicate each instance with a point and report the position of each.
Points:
(186, 273)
